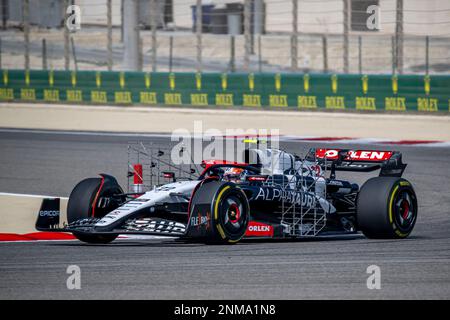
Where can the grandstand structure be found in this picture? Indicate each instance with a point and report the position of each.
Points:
(329, 36)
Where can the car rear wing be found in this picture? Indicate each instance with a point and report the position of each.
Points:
(390, 162)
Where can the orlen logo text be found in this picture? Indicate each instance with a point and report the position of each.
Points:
(362, 155)
(257, 229)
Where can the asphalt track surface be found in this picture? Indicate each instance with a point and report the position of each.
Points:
(333, 268)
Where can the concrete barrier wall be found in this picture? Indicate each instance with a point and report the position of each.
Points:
(19, 212)
(399, 93)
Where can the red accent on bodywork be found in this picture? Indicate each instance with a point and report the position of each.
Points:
(259, 229)
(94, 203)
(208, 163)
(195, 189)
(355, 155)
(257, 178)
(190, 200)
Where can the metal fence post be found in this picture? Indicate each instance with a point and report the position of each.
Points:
(66, 42)
(232, 54)
(153, 26)
(170, 52)
(74, 54)
(26, 32)
(346, 34)
(259, 54)
(325, 53)
(427, 54)
(360, 54)
(198, 31)
(399, 36)
(247, 36)
(131, 35)
(294, 41)
(121, 21)
(44, 54)
(141, 54)
(394, 55)
(4, 14)
(109, 21)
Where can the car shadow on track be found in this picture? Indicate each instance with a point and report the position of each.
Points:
(191, 243)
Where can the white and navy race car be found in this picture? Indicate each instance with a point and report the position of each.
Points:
(271, 195)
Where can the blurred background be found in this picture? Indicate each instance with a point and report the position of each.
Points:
(330, 36)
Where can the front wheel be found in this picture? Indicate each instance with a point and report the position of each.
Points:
(387, 208)
(84, 203)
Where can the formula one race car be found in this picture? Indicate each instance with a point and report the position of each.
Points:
(272, 194)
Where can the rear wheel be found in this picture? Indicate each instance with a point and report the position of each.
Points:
(84, 203)
(387, 208)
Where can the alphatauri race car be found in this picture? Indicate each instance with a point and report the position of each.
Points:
(273, 194)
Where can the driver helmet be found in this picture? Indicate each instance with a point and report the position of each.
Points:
(234, 174)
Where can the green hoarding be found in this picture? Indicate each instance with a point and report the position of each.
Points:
(293, 91)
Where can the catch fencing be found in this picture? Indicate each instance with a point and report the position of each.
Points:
(280, 36)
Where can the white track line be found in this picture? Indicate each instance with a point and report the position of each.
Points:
(283, 138)
(87, 133)
(29, 195)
